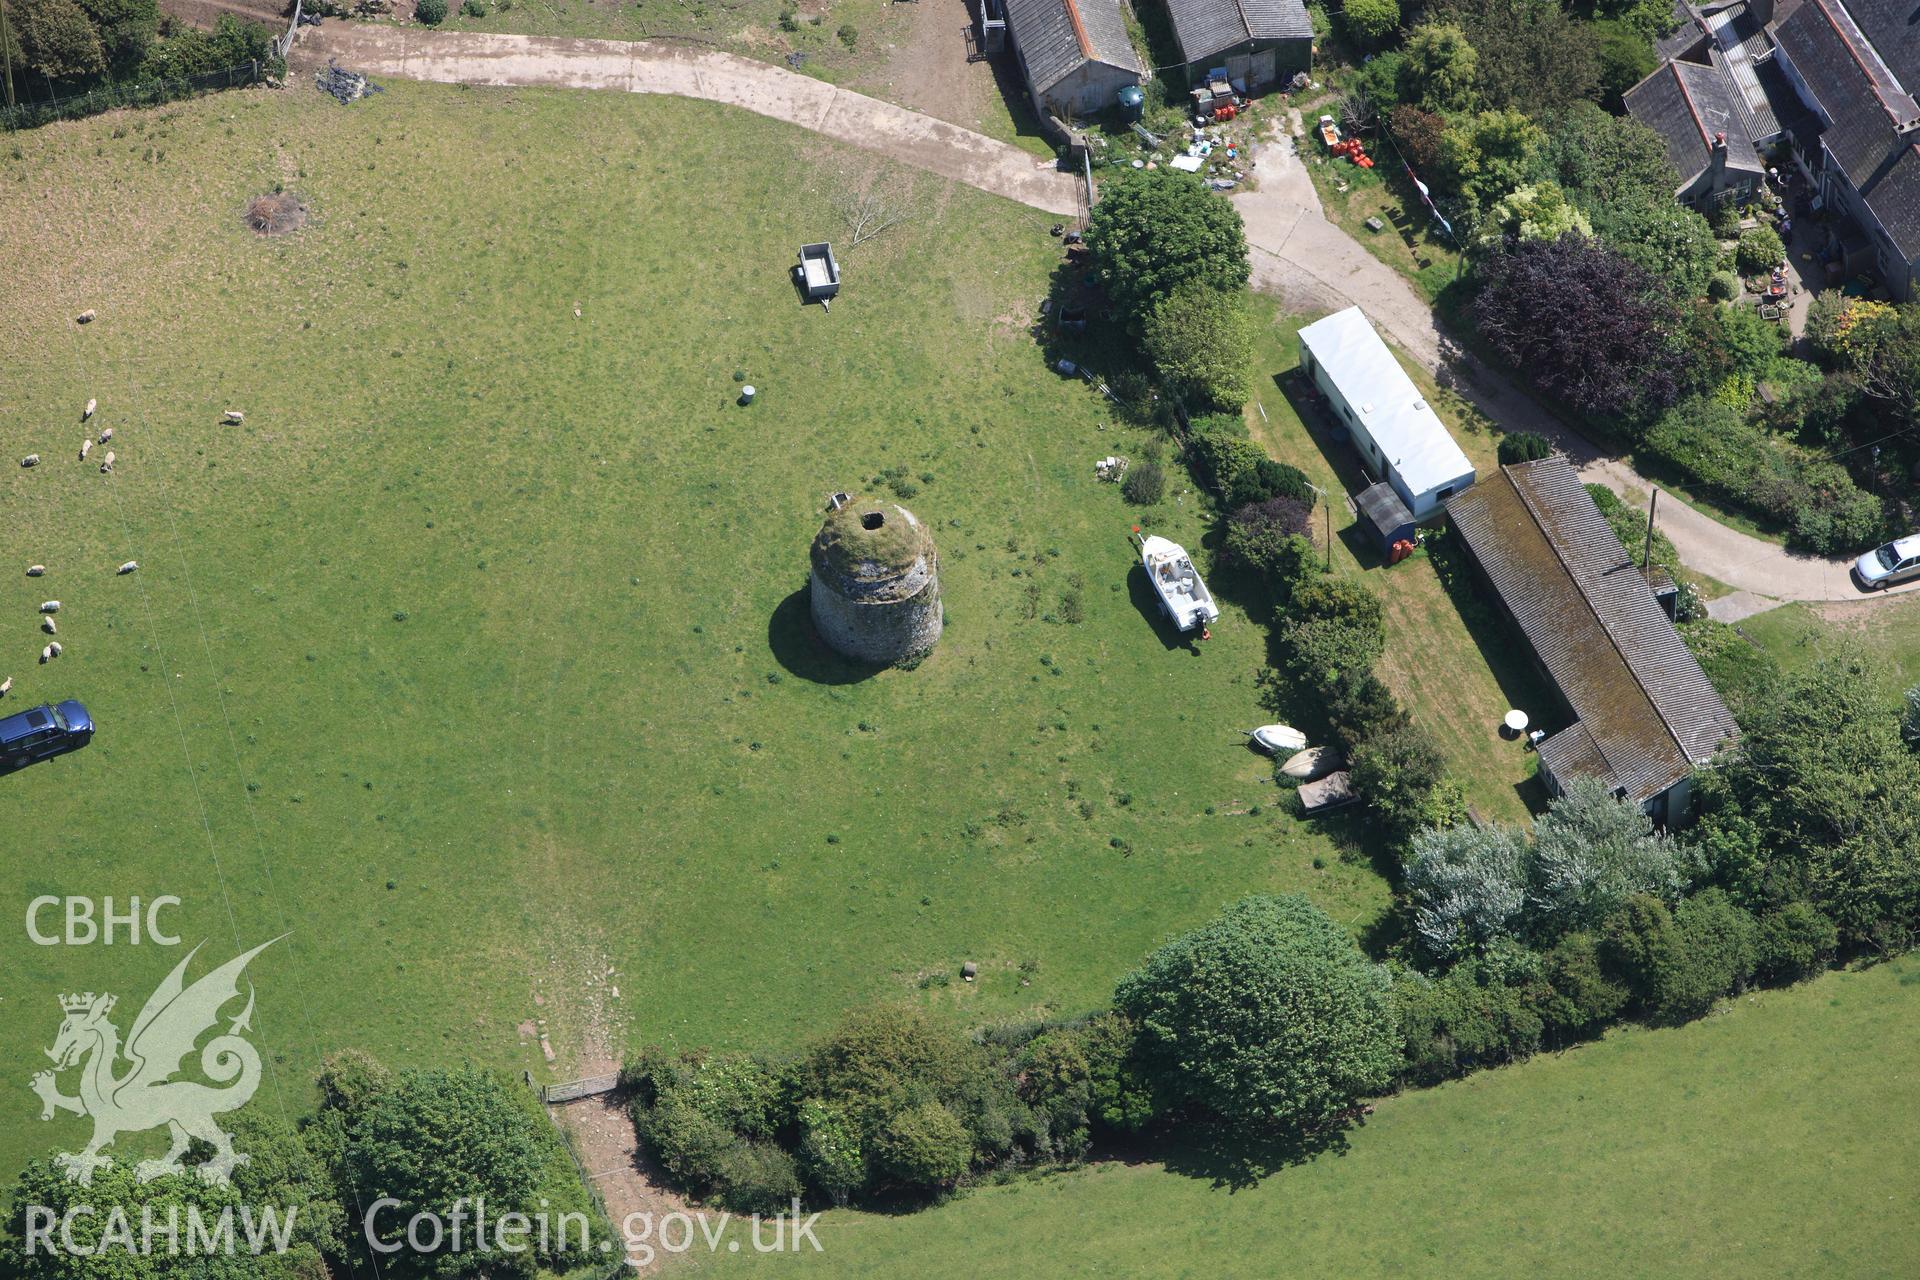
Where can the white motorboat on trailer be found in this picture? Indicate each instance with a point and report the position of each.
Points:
(1182, 594)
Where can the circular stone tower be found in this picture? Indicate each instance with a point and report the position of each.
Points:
(876, 582)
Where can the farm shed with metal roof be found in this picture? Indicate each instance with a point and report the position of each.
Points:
(1260, 43)
(1644, 713)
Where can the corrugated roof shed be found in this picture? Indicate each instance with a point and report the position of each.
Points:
(1057, 37)
(1208, 27)
(1646, 711)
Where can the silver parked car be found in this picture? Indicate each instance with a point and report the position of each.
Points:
(1896, 562)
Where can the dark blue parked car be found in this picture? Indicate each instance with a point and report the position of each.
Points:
(41, 733)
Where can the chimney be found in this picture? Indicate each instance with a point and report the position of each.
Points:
(1717, 161)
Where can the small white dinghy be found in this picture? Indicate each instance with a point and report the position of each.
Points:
(1314, 762)
(1177, 583)
(1275, 738)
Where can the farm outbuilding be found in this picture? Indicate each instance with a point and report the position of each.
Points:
(1258, 43)
(1074, 54)
(1384, 516)
(1399, 436)
(875, 588)
(1643, 714)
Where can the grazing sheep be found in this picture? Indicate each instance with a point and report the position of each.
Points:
(128, 567)
(85, 317)
(31, 460)
(46, 654)
(106, 464)
(35, 570)
(57, 650)
(49, 606)
(5, 685)
(106, 435)
(91, 406)
(86, 447)
(232, 418)
(46, 625)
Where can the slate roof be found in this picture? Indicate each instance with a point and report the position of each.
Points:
(1859, 92)
(1205, 28)
(1685, 35)
(1646, 713)
(1058, 37)
(1889, 26)
(1687, 104)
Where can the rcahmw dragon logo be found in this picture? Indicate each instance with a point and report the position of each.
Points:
(145, 1095)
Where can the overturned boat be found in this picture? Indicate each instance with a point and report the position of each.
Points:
(1182, 594)
(1275, 738)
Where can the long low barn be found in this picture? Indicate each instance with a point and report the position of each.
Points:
(1644, 713)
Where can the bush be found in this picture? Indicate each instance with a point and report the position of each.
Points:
(924, 1148)
(1478, 1014)
(1369, 22)
(1584, 997)
(1360, 708)
(1715, 955)
(1723, 286)
(1468, 886)
(1398, 774)
(756, 1177)
(1145, 484)
(1337, 627)
(831, 1154)
(474, 8)
(1240, 471)
(1269, 1015)
(849, 34)
(1591, 852)
(431, 12)
(1793, 942)
(1759, 250)
(1523, 446)
(1201, 340)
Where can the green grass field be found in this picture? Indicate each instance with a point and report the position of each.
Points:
(1774, 1139)
(1886, 630)
(475, 658)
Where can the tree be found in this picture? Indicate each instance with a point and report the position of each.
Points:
(1157, 229)
(1468, 885)
(1536, 211)
(1759, 250)
(1625, 57)
(922, 1148)
(1441, 69)
(1369, 22)
(1592, 851)
(1793, 942)
(1672, 242)
(1398, 773)
(1604, 161)
(431, 12)
(1201, 340)
(126, 28)
(1484, 156)
(1267, 1016)
(1585, 324)
(1534, 55)
(1418, 134)
(57, 40)
(1523, 446)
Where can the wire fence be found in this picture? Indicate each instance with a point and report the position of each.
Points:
(146, 93)
(284, 44)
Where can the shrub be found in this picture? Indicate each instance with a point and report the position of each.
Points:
(1145, 484)
(922, 1148)
(1723, 286)
(1523, 446)
(431, 12)
(1120, 1098)
(1592, 851)
(1269, 1015)
(831, 1155)
(1468, 886)
(1441, 69)
(1337, 627)
(1759, 250)
(474, 8)
(1793, 942)
(1268, 538)
(1418, 133)
(1240, 470)
(1715, 955)
(1201, 340)
(1360, 707)
(849, 34)
(756, 1177)
(1478, 1014)
(1369, 22)
(1583, 996)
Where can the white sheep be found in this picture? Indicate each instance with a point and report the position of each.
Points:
(5, 685)
(106, 434)
(31, 460)
(47, 625)
(86, 447)
(35, 570)
(49, 606)
(46, 654)
(55, 649)
(128, 567)
(85, 317)
(91, 406)
(232, 418)
(106, 464)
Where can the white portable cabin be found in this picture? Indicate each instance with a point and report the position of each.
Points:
(1398, 434)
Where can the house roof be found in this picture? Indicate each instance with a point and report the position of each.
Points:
(1646, 713)
(1689, 104)
(1391, 410)
(1205, 28)
(1864, 102)
(1058, 37)
(1686, 33)
(1888, 26)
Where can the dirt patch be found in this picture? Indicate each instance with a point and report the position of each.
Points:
(278, 214)
(629, 1183)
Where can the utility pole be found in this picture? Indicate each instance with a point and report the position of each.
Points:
(1646, 556)
(6, 50)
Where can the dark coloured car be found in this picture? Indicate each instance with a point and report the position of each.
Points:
(41, 733)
